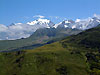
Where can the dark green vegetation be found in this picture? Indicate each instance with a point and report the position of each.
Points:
(88, 44)
(39, 38)
(89, 38)
(51, 59)
(74, 55)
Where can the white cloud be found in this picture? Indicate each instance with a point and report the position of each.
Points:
(16, 31)
(38, 16)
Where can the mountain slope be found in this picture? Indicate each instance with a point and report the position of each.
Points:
(86, 43)
(69, 56)
(41, 36)
(89, 38)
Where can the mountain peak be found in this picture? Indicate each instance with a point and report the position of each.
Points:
(42, 22)
(39, 21)
(77, 20)
(64, 24)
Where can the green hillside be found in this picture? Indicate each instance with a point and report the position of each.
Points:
(50, 59)
(70, 56)
(89, 39)
(88, 44)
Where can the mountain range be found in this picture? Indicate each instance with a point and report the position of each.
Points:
(20, 30)
(39, 38)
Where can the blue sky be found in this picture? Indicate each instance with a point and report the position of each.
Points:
(24, 10)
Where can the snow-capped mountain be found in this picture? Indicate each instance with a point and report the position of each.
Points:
(42, 23)
(65, 24)
(80, 24)
(87, 24)
(20, 30)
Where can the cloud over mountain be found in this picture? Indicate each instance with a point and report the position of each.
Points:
(20, 30)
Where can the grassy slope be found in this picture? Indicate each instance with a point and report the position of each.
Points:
(89, 38)
(88, 44)
(51, 59)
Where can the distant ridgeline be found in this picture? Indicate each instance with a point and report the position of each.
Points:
(38, 38)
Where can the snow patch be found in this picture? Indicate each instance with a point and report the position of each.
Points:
(67, 21)
(77, 20)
